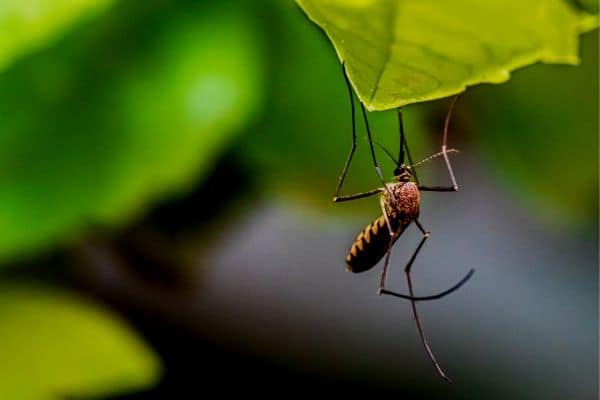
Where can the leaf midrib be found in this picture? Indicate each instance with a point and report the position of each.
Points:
(390, 39)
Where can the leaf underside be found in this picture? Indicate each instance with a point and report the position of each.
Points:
(398, 52)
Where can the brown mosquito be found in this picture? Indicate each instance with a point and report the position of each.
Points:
(400, 206)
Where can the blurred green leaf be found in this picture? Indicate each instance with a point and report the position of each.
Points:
(402, 52)
(123, 113)
(541, 133)
(26, 25)
(55, 344)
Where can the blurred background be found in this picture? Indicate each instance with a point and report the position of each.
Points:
(167, 230)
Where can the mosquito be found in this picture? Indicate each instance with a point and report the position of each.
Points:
(400, 206)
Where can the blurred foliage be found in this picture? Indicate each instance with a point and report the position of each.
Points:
(402, 52)
(541, 133)
(99, 126)
(29, 24)
(55, 344)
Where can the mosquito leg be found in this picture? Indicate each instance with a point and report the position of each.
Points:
(393, 237)
(377, 168)
(353, 147)
(433, 296)
(337, 197)
(438, 188)
(404, 146)
(383, 290)
(444, 144)
(445, 151)
(389, 249)
(416, 252)
(386, 216)
(414, 306)
(355, 196)
(386, 264)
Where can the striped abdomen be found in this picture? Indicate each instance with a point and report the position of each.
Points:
(371, 244)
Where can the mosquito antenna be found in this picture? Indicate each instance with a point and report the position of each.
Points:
(434, 156)
(389, 154)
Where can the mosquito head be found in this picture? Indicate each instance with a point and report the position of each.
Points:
(402, 173)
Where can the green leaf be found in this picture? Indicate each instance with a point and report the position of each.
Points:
(399, 52)
(96, 130)
(55, 344)
(26, 25)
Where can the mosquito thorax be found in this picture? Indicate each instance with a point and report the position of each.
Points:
(402, 173)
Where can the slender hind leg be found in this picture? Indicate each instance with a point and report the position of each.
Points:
(414, 298)
(445, 142)
(393, 236)
(454, 187)
(414, 306)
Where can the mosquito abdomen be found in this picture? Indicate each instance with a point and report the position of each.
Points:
(370, 245)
